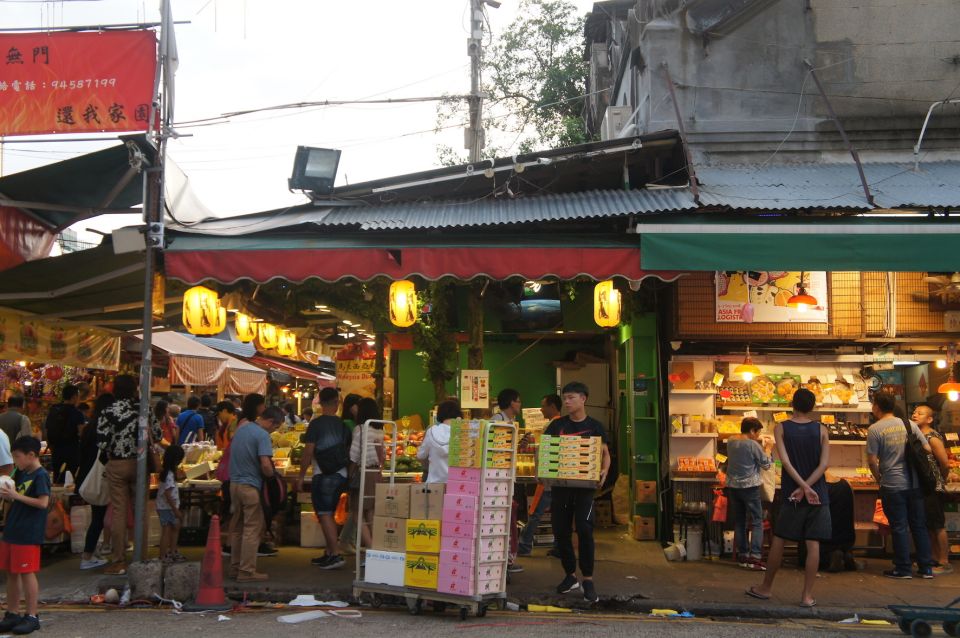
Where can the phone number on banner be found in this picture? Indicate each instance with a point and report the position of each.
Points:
(31, 85)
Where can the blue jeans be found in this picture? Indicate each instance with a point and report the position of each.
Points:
(325, 491)
(907, 515)
(533, 522)
(746, 502)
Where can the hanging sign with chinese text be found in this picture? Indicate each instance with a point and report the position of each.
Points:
(76, 82)
(25, 339)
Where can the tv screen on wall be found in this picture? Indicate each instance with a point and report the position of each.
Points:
(529, 306)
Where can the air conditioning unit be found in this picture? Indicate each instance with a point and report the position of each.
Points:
(614, 119)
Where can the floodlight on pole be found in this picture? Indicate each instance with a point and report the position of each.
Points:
(314, 169)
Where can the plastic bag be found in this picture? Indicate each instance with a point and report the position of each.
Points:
(768, 484)
(879, 517)
(94, 489)
(719, 507)
(342, 511)
(58, 521)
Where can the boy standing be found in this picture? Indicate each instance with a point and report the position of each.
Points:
(23, 535)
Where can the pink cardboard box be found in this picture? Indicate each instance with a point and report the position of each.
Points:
(460, 502)
(495, 544)
(456, 585)
(497, 474)
(496, 488)
(495, 501)
(463, 516)
(494, 517)
(463, 488)
(464, 475)
(448, 542)
(493, 529)
(488, 586)
(460, 557)
(491, 570)
(492, 557)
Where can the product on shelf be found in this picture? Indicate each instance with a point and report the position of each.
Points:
(734, 392)
(762, 389)
(696, 465)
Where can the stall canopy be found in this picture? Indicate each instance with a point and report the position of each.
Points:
(195, 364)
(297, 371)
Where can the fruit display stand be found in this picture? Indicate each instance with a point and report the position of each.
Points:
(475, 526)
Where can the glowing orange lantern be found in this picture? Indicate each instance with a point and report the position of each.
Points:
(606, 305)
(202, 313)
(403, 304)
(246, 328)
(287, 344)
(268, 337)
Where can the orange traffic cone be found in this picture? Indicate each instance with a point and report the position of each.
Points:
(210, 594)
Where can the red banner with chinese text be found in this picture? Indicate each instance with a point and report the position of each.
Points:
(76, 82)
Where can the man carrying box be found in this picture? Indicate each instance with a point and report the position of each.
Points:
(571, 504)
(550, 409)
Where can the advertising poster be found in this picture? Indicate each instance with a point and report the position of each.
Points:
(761, 297)
(23, 339)
(356, 364)
(76, 82)
(475, 389)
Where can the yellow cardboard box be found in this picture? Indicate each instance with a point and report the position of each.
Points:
(421, 570)
(423, 536)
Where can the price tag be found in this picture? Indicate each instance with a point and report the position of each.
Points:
(863, 471)
(828, 419)
(955, 450)
(952, 436)
(720, 458)
(717, 379)
(780, 417)
(750, 414)
(677, 425)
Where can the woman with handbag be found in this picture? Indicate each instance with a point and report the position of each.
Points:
(88, 460)
(117, 432)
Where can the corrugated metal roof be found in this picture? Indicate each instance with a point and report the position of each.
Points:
(791, 187)
(236, 348)
(460, 214)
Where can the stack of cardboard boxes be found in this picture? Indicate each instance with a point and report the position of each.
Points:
(406, 535)
(571, 461)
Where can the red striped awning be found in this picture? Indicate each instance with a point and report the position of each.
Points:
(333, 264)
(323, 381)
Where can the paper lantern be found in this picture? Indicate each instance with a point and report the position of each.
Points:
(54, 373)
(202, 313)
(403, 304)
(606, 304)
(287, 344)
(246, 328)
(268, 336)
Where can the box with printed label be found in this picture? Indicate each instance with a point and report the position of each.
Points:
(493, 530)
(492, 557)
(460, 502)
(493, 544)
(496, 501)
(392, 500)
(497, 474)
(461, 488)
(645, 491)
(458, 585)
(490, 570)
(463, 542)
(467, 461)
(488, 517)
(389, 534)
(464, 474)
(644, 528)
(488, 586)
(426, 500)
(423, 536)
(462, 558)
(460, 515)
(496, 488)
(421, 570)
(311, 535)
(385, 568)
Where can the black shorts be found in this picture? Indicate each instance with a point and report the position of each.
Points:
(803, 522)
(934, 506)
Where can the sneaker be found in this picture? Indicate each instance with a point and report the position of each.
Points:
(514, 568)
(892, 573)
(118, 568)
(265, 549)
(925, 573)
(590, 592)
(569, 584)
(757, 564)
(9, 621)
(91, 563)
(320, 561)
(27, 625)
(225, 550)
(940, 570)
(334, 562)
(251, 578)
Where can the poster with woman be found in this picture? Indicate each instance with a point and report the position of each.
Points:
(750, 296)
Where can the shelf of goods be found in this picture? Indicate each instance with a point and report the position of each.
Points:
(786, 408)
(447, 543)
(405, 449)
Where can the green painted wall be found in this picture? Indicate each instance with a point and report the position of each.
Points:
(529, 372)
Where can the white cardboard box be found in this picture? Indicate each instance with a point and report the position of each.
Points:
(385, 568)
(311, 535)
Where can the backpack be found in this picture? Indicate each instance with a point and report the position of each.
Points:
(273, 496)
(57, 426)
(209, 423)
(920, 460)
(332, 449)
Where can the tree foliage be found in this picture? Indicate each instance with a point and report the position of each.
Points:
(534, 79)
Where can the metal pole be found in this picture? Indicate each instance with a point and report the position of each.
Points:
(475, 50)
(843, 134)
(683, 136)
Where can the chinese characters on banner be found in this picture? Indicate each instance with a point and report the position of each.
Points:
(76, 82)
(761, 297)
(23, 339)
(356, 364)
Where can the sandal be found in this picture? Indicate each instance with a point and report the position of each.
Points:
(812, 603)
(754, 594)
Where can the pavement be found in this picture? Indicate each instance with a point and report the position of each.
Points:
(630, 576)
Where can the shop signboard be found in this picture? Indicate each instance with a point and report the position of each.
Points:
(356, 364)
(761, 297)
(475, 389)
(76, 82)
(23, 339)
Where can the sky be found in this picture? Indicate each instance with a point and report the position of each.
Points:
(241, 54)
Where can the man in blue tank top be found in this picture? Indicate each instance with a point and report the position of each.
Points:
(803, 445)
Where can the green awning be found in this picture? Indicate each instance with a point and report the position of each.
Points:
(813, 245)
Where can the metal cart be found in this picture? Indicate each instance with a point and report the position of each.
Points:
(414, 597)
(915, 621)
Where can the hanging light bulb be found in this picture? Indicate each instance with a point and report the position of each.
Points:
(951, 388)
(802, 301)
(606, 305)
(747, 370)
(403, 303)
(246, 328)
(941, 364)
